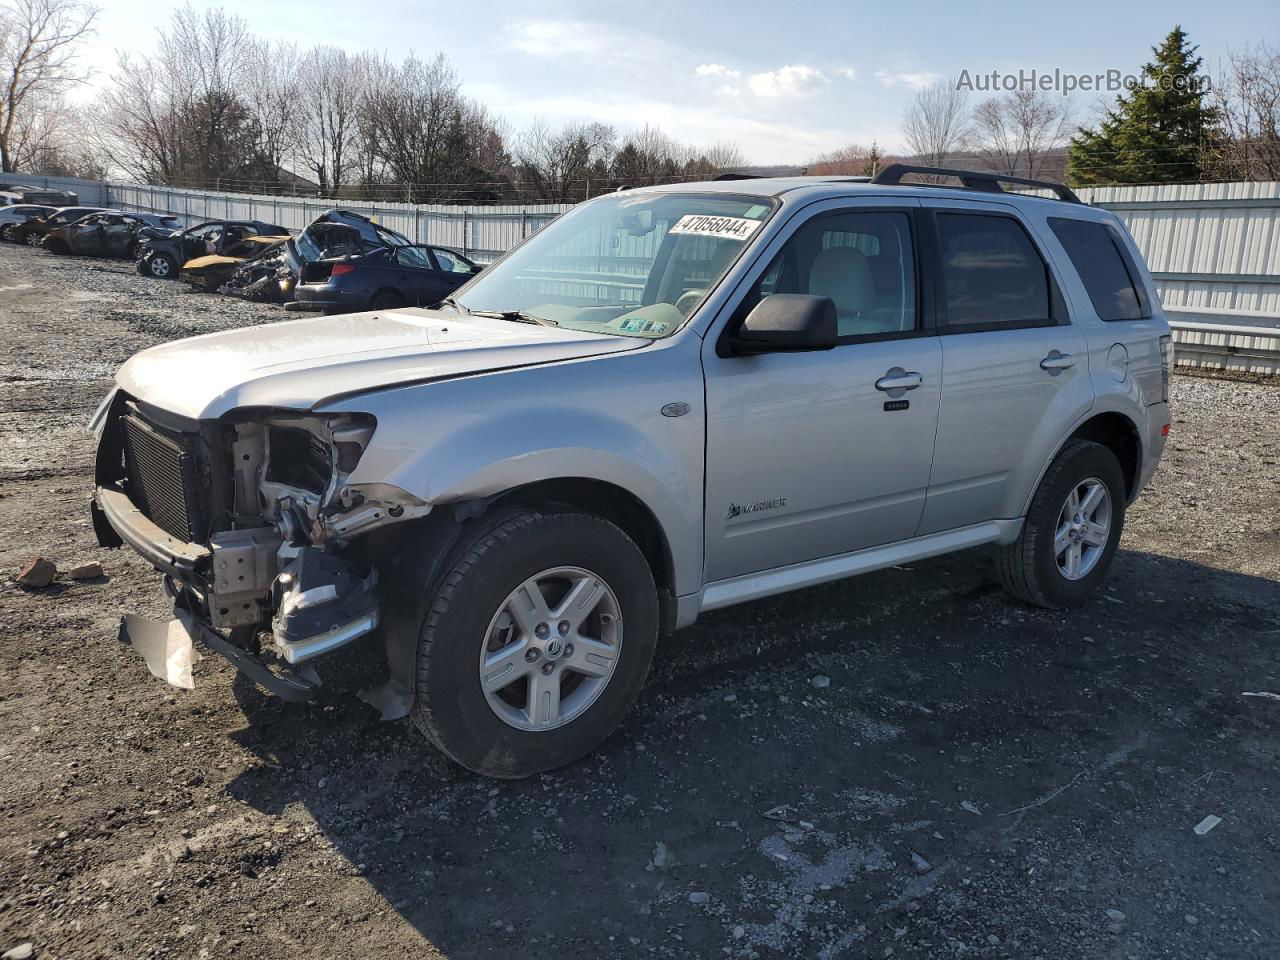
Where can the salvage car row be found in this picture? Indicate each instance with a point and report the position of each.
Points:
(341, 262)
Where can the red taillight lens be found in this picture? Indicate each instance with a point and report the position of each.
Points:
(340, 268)
(1164, 431)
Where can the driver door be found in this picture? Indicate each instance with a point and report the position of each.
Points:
(816, 454)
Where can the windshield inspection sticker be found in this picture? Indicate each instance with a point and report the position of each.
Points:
(729, 228)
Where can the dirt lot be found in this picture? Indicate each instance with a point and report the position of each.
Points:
(978, 778)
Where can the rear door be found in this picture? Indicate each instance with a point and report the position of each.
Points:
(85, 237)
(816, 454)
(415, 275)
(1015, 370)
(117, 235)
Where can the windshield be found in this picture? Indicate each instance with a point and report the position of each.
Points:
(631, 263)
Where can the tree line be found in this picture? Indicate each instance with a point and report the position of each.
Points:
(1164, 130)
(214, 106)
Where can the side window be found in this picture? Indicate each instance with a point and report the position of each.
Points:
(992, 274)
(864, 262)
(413, 257)
(1096, 257)
(450, 262)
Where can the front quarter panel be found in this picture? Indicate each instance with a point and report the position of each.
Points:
(598, 418)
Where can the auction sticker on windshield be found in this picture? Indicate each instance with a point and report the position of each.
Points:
(701, 225)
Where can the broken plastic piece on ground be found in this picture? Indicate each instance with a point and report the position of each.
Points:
(390, 701)
(167, 648)
(1261, 693)
(784, 812)
(1207, 824)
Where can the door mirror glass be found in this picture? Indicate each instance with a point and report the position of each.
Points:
(788, 322)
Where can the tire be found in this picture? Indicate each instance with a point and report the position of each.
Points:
(386, 300)
(6, 232)
(33, 239)
(54, 245)
(162, 267)
(1030, 568)
(500, 737)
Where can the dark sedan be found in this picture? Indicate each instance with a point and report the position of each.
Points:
(108, 234)
(162, 256)
(387, 277)
(33, 232)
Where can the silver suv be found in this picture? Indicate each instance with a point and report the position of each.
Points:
(667, 401)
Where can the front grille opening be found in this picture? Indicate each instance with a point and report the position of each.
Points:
(298, 458)
(163, 479)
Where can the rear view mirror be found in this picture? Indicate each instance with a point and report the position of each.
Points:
(786, 322)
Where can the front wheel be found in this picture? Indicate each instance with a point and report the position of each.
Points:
(1071, 532)
(162, 266)
(536, 642)
(34, 239)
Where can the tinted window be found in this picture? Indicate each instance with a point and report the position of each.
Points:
(862, 261)
(1093, 252)
(451, 262)
(992, 273)
(413, 257)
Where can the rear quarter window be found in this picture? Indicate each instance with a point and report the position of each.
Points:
(1095, 253)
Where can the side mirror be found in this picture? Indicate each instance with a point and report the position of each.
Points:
(788, 322)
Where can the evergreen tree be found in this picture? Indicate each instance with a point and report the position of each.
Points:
(1163, 130)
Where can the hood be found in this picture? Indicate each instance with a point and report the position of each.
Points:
(299, 364)
(212, 260)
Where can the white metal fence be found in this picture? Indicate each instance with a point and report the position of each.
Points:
(1213, 248)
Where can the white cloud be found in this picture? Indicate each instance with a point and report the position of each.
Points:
(716, 70)
(551, 38)
(794, 80)
(912, 81)
(847, 72)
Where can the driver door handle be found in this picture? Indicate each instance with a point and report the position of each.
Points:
(899, 381)
(1057, 361)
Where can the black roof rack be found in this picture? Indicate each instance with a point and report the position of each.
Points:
(972, 179)
(737, 176)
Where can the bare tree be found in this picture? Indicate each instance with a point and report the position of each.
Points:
(181, 116)
(1248, 98)
(39, 48)
(332, 86)
(936, 123)
(1016, 133)
(560, 165)
(855, 160)
(423, 131)
(270, 90)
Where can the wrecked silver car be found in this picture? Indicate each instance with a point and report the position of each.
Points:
(666, 401)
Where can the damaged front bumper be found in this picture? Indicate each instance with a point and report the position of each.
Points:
(253, 522)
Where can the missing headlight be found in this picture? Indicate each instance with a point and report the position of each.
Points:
(298, 458)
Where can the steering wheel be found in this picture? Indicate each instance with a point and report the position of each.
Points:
(688, 300)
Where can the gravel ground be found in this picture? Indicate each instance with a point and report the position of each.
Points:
(903, 765)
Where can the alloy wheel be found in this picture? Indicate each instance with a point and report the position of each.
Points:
(1083, 528)
(551, 648)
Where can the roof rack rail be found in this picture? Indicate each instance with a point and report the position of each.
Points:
(736, 176)
(972, 179)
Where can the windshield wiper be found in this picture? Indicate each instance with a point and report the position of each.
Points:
(515, 316)
(450, 302)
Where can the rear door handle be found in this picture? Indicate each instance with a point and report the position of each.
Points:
(1057, 361)
(899, 379)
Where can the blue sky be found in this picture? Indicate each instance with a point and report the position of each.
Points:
(784, 81)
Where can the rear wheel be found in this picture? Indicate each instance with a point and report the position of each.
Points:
(1071, 532)
(536, 643)
(386, 300)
